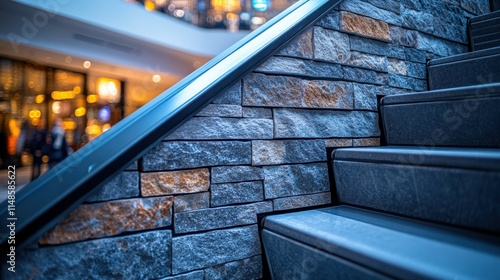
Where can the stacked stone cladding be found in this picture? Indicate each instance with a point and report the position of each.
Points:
(188, 209)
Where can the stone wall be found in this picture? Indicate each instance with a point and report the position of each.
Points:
(188, 209)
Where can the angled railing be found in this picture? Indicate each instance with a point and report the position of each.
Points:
(45, 201)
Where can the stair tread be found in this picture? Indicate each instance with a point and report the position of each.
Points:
(468, 158)
(465, 56)
(399, 246)
(487, 16)
(475, 91)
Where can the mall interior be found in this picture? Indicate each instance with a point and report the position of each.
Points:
(88, 64)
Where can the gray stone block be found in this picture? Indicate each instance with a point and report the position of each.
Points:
(390, 5)
(365, 96)
(250, 268)
(330, 20)
(257, 113)
(415, 55)
(376, 47)
(331, 45)
(221, 110)
(404, 37)
(236, 193)
(369, 61)
(232, 95)
(295, 202)
(439, 46)
(183, 155)
(203, 250)
(287, 151)
(294, 123)
(397, 66)
(369, 10)
(301, 46)
(141, 256)
(299, 67)
(233, 174)
(418, 20)
(291, 180)
(477, 7)
(364, 76)
(221, 217)
(194, 275)
(190, 202)
(124, 185)
(132, 167)
(407, 82)
(416, 70)
(281, 91)
(223, 129)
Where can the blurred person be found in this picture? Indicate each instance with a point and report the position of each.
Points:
(57, 141)
(38, 148)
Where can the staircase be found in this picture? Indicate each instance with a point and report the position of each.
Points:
(425, 206)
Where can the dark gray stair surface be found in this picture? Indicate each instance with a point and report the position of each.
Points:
(342, 239)
(485, 31)
(475, 68)
(454, 186)
(461, 117)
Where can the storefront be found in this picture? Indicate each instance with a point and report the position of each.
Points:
(32, 94)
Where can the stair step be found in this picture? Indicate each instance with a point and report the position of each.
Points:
(351, 243)
(460, 117)
(484, 31)
(475, 68)
(454, 186)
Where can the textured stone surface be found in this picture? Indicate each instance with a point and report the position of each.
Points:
(221, 110)
(223, 128)
(221, 217)
(376, 47)
(293, 123)
(333, 143)
(141, 256)
(371, 11)
(287, 151)
(124, 185)
(477, 7)
(193, 201)
(418, 20)
(212, 248)
(181, 155)
(369, 61)
(232, 174)
(365, 26)
(175, 182)
(415, 55)
(281, 91)
(390, 5)
(257, 113)
(295, 202)
(250, 268)
(290, 180)
(397, 66)
(364, 76)
(366, 142)
(232, 95)
(301, 46)
(194, 275)
(300, 67)
(407, 82)
(437, 46)
(417, 70)
(331, 45)
(365, 96)
(132, 167)
(330, 21)
(235, 193)
(404, 37)
(111, 218)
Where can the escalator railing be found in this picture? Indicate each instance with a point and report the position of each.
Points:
(45, 201)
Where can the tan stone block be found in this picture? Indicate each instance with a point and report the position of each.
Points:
(365, 26)
(175, 182)
(366, 142)
(334, 143)
(110, 218)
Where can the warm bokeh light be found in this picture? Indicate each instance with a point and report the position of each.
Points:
(39, 98)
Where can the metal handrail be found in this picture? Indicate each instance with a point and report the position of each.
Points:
(41, 204)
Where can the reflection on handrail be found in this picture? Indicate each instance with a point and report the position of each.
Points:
(45, 201)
